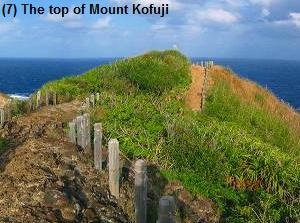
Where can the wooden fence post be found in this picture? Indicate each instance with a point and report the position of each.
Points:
(38, 99)
(72, 132)
(47, 98)
(84, 132)
(93, 100)
(2, 118)
(87, 102)
(114, 165)
(87, 131)
(140, 191)
(166, 212)
(54, 98)
(30, 106)
(79, 121)
(204, 88)
(98, 146)
(97, 97)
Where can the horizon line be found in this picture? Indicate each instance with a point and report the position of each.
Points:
(122, 57)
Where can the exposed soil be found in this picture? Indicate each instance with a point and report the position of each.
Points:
(194, 95)
(44, 178)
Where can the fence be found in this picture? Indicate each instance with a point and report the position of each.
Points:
(206, 66)
(5, 114)
(50, 99)
(80, 134)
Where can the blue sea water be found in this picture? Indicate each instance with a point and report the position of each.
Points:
(21, 77)
(282, 77)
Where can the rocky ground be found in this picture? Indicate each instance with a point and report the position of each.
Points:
(44, 178)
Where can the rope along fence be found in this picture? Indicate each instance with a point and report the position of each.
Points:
(80, 135)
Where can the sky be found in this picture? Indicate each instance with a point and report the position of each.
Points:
(268, 29)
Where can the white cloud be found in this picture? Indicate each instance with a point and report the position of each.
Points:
(6, 27)
(237, 3)
(70, 20)
(159, 26)
(216, 15)
(173, 4)
(265, 12)
(102, 23)
(265, 3)
(295, 18)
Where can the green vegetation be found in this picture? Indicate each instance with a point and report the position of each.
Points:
(240, 156)
(2, 145)
(18, 107)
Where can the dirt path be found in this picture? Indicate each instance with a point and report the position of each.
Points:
(44, 178)
(194, 95)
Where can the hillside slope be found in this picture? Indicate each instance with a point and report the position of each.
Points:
(44, 178)
(3, 100)
(241, 151)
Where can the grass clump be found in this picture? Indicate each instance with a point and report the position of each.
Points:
(235, 153)
(2, 145)
(156, 72)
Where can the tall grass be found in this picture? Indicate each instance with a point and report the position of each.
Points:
(240, 156)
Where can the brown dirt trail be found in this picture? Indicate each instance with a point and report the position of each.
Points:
(44, 178)
(194, 95)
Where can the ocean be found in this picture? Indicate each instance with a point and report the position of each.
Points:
(21, 77)
(282, 77)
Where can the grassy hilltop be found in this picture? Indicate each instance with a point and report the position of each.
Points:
(242, 150)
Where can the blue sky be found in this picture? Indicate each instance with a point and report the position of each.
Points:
(206, 28)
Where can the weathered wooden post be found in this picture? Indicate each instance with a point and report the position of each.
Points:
(87, 102)
(84, 132)
(97, 97)
(140, 169)
(79, 122)
(30, 106)
(93, 100)
(54, 98)
(2, 117)
(98, 146)
(38, 99)
(203, 98)
(47, 98)
(166, 212)
(72, 132)
(87, 131)
(114, 165)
